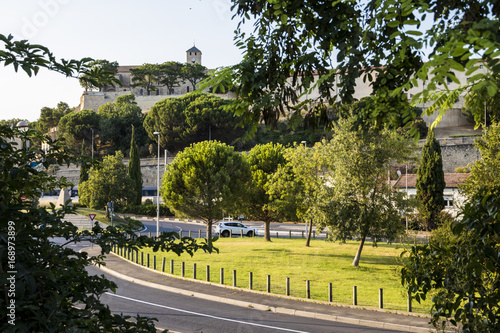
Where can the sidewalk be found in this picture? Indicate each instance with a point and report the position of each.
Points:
(370, 317)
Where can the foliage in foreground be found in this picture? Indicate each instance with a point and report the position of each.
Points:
(53, 292)
(461, 268)
(377, 41)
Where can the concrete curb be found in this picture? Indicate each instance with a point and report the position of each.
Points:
(263, 307)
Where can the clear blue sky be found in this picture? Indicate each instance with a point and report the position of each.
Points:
(130, 32)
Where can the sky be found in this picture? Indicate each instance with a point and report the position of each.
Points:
(126, 31)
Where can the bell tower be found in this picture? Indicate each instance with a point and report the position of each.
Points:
(193, 56)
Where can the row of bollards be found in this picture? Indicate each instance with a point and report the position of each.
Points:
(133, 255)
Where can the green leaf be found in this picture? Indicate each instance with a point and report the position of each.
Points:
(393, 24)
(414, 33)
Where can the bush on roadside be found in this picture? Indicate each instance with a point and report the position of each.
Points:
(415, 222)
(145, 210)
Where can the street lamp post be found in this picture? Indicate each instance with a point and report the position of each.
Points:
(305, 145)
(406, 176)
(158, 189)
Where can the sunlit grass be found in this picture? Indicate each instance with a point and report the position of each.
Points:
(321, 263)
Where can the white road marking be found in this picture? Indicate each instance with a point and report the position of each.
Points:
(204, 315)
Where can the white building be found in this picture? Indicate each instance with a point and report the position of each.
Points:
(453, 199)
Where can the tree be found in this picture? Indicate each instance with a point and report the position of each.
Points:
(146, 76)
(479, 103)
(430, 182)
(49, 117)
(84, 168)
(191, 118)
(485, 173)
(207, 118)
(204, 181)
(116, 120)
(53, 290)
(107, 182)
(378, 41)
(11, 122)
(101, 73)
(52, 285)
(264, 161)
(362, 112)
(134, 169)
(461, 270)
(360, 202)
(194, 73)
(31, 57)
(75, 127)
(296, 189)
(171, 74)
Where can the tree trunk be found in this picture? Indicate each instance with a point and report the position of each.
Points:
(309, 232)
(355, 262)
(267, 232)
(209, 235)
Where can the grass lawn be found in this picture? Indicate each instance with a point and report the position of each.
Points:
(322, 263)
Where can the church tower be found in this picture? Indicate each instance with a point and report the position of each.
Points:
(193, 56)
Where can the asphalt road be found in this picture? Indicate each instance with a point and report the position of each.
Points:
(180, 313)
(198, 229)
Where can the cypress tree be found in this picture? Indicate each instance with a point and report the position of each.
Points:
(84, 168)
(134, 169)
(430, 182)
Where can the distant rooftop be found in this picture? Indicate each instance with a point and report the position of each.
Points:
(193, 49)
(452, 180)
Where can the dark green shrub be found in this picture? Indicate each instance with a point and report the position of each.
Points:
(146, 210)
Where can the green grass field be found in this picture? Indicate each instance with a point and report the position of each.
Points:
(321, 263)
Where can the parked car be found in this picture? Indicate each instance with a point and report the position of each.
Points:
(226, 229)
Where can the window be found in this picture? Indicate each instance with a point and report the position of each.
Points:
(187, 88)
(448, 202)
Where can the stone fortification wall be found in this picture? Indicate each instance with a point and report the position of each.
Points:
(452, 118)
(149, 167)
(91, 100)
(456, 152)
